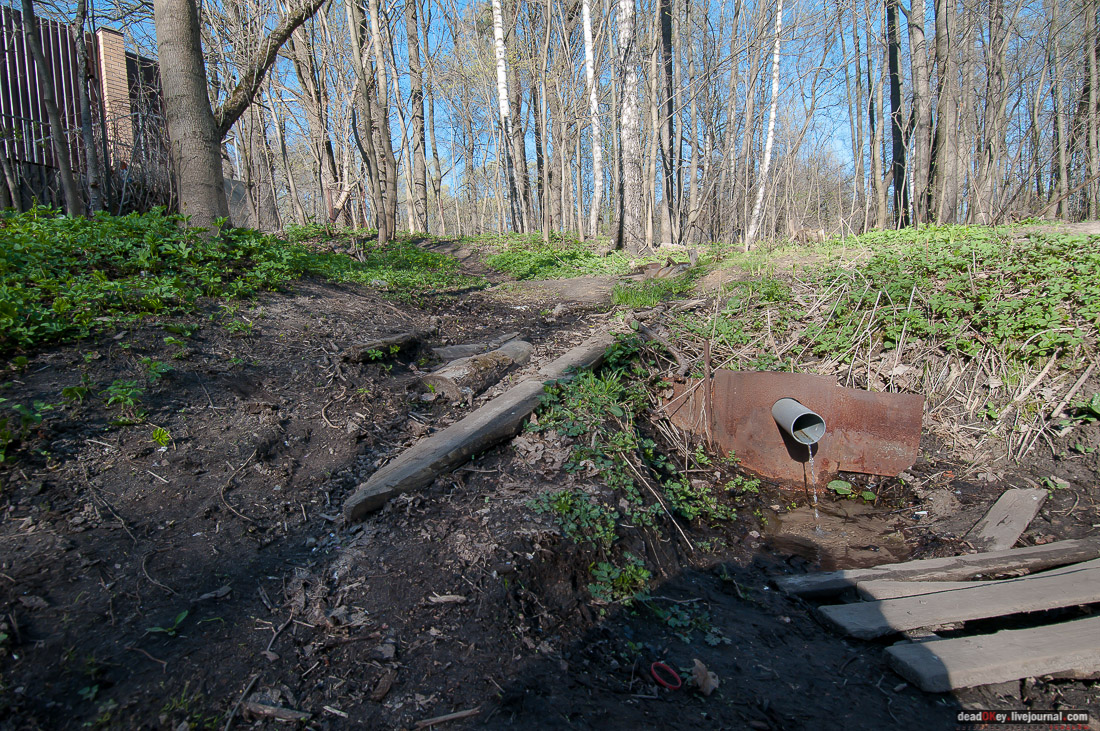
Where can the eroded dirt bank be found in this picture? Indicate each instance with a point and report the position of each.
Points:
(210, 579)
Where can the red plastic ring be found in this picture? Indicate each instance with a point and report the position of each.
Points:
(662, 681)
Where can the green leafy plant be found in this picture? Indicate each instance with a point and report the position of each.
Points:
(614, 584)
(648, 294)
(239, 327)
(530, 258)
(75, 394)
(125, 394)
(580, 518)
(171, 629)
(18, 420)
(154, 369)
(161, 436)
(65, 277)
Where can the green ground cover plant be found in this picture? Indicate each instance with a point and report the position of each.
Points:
(962, 288)
(529, 257)
(63, 277)
(601, 413)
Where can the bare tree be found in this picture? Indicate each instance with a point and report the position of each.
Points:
(518, 215)
(196, 130)
(630, 234)
(754, 221)
(593, 120)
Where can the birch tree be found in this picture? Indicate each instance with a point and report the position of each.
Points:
(516, 208)
(631, 234)
(757, 209)
(593, 120)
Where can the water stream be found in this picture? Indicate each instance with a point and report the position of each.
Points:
(813, 484)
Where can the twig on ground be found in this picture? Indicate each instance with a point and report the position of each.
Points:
(163, 663)
(145, 571)
(225, 486)
(457, 716)
(247, 690)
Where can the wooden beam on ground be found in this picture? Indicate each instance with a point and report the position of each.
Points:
(868, 620)
(939, 666)
(465, 378)
(952, 568)
(1007, 519)
(494, 422)
(464, 350)
(885, 589)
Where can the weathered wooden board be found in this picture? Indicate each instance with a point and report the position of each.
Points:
(494, 422)
(451, 352)
(1007, 519)
(466, 377)
(867, 620)
(939, 666)
(886, 589)
(952, 568)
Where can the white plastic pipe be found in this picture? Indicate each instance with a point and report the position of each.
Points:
(804, 426)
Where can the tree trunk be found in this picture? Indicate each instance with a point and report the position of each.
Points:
(1092, 39)
(921, 136)
(897, 118)
(59, 141)
(996, 101)
(92, 173)
(669, 162)
(630, 235)
(437, 172)
(874, 128)
(364, 91)
(757, 209)
(593, 121)
(945, 165)
(514, 205)
(419, 203)
(194, 138)
(381, 118)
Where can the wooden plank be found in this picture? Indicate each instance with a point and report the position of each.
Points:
(867, 620)
(939, 666)
(885, 589)
(1007, 519)
(952, 568)
(466, 377)
(489, 425)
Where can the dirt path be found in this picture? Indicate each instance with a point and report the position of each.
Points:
(149, 585)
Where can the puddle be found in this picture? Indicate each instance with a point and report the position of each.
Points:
(846, 534)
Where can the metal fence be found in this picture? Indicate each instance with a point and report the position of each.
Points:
(128, 129)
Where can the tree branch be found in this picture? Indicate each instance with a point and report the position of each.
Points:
(241, 96)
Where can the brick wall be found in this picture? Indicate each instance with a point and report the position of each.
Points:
(115, 88)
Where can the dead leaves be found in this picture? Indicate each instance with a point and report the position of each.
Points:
(705, 680)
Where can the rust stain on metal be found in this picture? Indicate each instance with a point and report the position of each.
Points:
(871, 433)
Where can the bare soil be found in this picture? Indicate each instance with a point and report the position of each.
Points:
(212, 582)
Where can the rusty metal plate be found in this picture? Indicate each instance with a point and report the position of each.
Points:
(870, 433)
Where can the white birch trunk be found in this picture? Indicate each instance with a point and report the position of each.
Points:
(754, 222)
(631, 234)
(505, 113)
(594, 121)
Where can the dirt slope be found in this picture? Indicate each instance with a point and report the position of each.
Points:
(211, 579)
